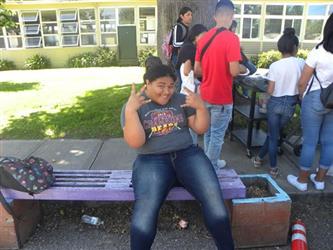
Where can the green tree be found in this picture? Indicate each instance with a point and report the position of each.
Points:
(5, 16)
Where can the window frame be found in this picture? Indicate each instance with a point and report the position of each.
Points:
(57, 22)
(242, 16)
(33, 46)
(67, 19)
(70, 45)
(283, 18)
(100, 21)
(90, 33)
(314, 18)
(28, 11)
(27, 25)
(147, 32)
(19, 36)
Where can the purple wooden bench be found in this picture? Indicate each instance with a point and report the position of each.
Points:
(88, 185)
(115, 185)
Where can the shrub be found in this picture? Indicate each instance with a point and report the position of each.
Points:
(254, 60)
(37, 62)
(144, 54)
(106, 57)
(267, 58)
(82, 61)
(303, 53)
(103, 57)
(6, 65)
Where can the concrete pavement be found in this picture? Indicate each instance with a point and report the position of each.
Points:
(115, 154)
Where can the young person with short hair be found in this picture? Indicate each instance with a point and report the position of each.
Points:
(156, 122)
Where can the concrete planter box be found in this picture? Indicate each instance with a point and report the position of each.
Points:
(261, 221)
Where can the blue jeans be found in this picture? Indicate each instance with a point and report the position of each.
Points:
(174, 59)
(155, 175)
(317, 124)
(220, 116)
(279, 112)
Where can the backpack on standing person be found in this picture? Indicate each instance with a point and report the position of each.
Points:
(167, 44)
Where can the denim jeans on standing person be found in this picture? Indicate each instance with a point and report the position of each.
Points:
(317, 125)
(279, 112)
(155, 174)
(174, 59)
(220, 116)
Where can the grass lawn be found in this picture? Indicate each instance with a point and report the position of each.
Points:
(34, 110)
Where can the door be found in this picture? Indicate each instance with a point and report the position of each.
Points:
(127, 49)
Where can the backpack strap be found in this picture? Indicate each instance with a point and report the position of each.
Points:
(314, 76)
(204, 49)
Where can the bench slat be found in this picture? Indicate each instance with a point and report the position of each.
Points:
(115, 186)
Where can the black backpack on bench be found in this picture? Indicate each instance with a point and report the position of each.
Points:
(31, 175)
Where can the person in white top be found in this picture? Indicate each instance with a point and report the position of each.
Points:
(317, 121)
(283, 77)
(185, 64)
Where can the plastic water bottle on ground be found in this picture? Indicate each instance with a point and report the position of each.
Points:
(91, 220)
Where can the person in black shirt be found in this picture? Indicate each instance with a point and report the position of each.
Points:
(179, 35)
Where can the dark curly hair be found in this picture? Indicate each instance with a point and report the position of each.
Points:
(158, 71)
(288, 42)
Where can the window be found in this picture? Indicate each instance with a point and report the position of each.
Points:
(50, 28)
(313, 29)
(238, 20)
(251, 21)
(272, 28)
(251, 27)
(68, 15)
(294, 10)
(88, 27)
(70, 40)
(30, 16)
(147, 25)
(126, 16)
(315, 21)
(274, 9)
(294, 23)
(31, 29)
(51, 41)
(69, 28)
(317, 10)
(238, 9)
(273, 21)
(252, 9)
(33, 42)
(108, 26)
(2, 39)
(14, 37)
(49, 16)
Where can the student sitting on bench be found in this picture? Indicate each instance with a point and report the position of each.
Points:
(156, 122)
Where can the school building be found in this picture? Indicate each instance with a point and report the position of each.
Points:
(60, 29)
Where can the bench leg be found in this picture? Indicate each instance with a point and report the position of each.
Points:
(14, 233)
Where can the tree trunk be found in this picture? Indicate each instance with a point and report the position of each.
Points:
(203, 11)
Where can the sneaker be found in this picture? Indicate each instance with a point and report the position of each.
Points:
(274, 172)
(319, 185)
(221, 163)
(293, 180)
(257, 162)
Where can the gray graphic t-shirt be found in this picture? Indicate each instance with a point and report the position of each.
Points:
(165, 126)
